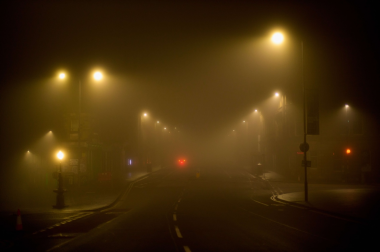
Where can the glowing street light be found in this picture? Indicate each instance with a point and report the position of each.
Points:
(255, 110)
(277, 94)
(62, 76)
(60, 155)
(145, 114)
(277, 38)
(98, 76)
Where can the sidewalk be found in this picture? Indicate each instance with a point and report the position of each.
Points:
(358, 201)
(81, 198)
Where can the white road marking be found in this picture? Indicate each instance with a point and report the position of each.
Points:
(260, 202)
(178, 232)
(282, 224)
(174, 217)
(186, 248)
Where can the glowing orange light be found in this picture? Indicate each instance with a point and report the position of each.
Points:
(348, 151)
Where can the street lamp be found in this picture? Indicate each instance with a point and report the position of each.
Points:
(278, 38)
(277, 94)
(60, 202)
(97, 76)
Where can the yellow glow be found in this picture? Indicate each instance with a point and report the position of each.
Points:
(60, 155)
(277, 38)
(243, 121)
(158, 121)
(348, 151)
(255, 110)
(145, 114)
(164, 128)
(347, 106)
(62, 76)
(276, 94)
(98, 76)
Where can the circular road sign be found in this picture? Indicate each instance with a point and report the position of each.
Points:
(304, 147)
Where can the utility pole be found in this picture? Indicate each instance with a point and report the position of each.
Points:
(304, 125)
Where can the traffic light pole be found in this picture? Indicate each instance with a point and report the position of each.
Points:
(304, 124)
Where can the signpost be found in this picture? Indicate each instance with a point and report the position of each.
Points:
(312, 111)
(307, 162)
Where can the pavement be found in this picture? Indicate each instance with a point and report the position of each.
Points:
(356, 201)
(89, 197)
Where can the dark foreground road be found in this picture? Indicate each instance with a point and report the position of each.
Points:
(222, 210)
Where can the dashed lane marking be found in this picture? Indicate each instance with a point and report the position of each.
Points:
(186, 248)
(260, 203)
(174, 217)
(178, 232)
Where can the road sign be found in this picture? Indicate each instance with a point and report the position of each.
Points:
(304, 147)
(308, 163)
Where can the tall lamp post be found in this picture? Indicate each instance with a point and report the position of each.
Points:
(60, 203)
(97, 76)
(278, 38)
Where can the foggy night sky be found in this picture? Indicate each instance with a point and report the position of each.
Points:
(200, 66)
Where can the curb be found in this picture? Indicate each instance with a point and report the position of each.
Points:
(120, 194)
(321, 211)
(325, 212)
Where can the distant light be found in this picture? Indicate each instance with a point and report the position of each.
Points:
(60, 155)
(164, 128)
(28, 151)
(145, 114)
(50, 131)
(98, 76)
(276, 94)
(277, 38)
(255, 110)
(348, 151)
(62, 76)
(346, 106)
(158, 121)
(243, 121)
(233, 130)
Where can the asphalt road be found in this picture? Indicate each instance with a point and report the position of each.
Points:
(222, 210)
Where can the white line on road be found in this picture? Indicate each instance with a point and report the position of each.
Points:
(282, 224)
(178, 232)
(174, 217)
(186, 248)
(260, 202)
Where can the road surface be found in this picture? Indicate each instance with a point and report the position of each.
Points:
(221, 210)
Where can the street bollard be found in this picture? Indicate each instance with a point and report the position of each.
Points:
(60, 198)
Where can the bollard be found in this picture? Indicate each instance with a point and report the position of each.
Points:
(60, 203)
